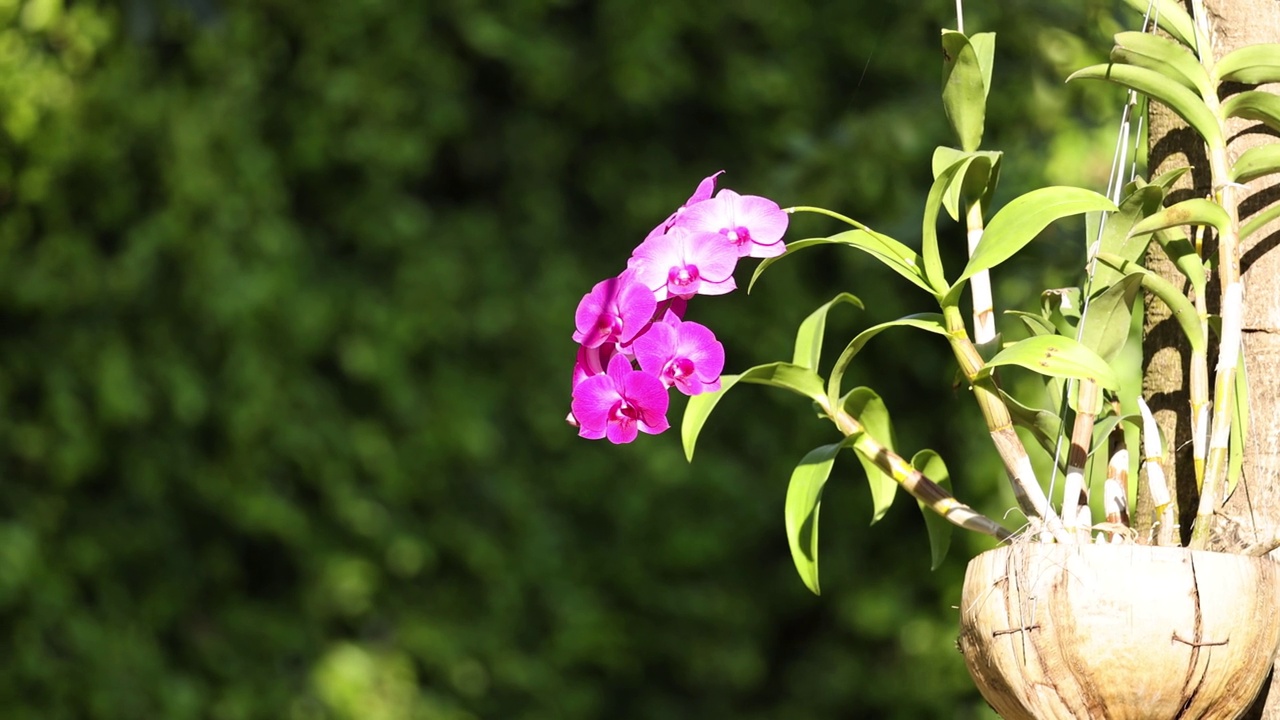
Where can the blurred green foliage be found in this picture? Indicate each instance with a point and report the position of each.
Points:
(286, 295)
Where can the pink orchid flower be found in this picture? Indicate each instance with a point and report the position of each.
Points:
(703, 192)
(752, 224)
(685, 355)
(620, 403)
(616, 310)
(683, 264)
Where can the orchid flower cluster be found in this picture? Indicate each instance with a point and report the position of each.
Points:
(637, 318)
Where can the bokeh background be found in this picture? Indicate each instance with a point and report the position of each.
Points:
(286, 296)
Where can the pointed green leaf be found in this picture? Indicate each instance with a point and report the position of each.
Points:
(1251, 64)
(1170, 16)
(800, 380)
(1056, 356)
(1196, 211)
(1184, 257)
(1116, 237)
(1036, 324)
(1257, 105)
(1182, 101)
(868, 409)
(896, 256)
(1043, 425)
(808, 348)
(1106, 326)
(804, 498)
(964, 89)
(1167, 57)
(1165, 180)
(1256, 162)
(1019, 222)
(974, 181)
(934, 274)
(930, 464)
(1259, 220)
(1183, 311)
(931, 322)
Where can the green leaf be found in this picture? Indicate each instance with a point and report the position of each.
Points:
(934, 274)
(931, 322)
(1036, 324)
(930, 464)
(1170, 16)
(964, 87)
(804, 499)
(1167, 57)
(1256, 162)
(1259, 220)
(1258, 105)
(1165, 180)
(974, 182)
(896, 256)
(1056, 356)
(800, 380)
(868, 409)
(1106, 326)
(1183, 311)
(1197, 211)
(1170, 92)
(1116, 237)
(1184, 257)
(1019, 222)
(1251, 64)
(1044, 426)
(808, 348)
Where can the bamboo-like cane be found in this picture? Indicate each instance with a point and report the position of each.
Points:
(1152, 467)
(933, 495)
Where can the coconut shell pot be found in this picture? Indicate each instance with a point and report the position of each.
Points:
(1119, 631)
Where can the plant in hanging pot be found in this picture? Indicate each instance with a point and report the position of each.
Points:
(1121, 618)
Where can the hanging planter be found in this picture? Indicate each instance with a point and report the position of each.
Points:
(1118, 631)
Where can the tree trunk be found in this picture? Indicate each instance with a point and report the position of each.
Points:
(1251, 517)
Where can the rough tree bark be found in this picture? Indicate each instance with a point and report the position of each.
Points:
(1251, 517)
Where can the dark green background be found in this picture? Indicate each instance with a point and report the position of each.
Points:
(286, 296)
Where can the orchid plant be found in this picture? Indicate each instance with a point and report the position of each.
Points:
(635, 343)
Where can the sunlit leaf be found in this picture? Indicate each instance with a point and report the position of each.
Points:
(1184, 257)
(930, 464)
(804, 499)
(1251, 64)
(800, 380)
(1258, 105)
(1259, 220)
(1182, 101)
(1183, 311)
(1170, 16)
(1256, 162)
(974, 182)
(1168, 57)
(1196, 211)
(896, 256)
(1056, 356)
(1019, 222)
(931, 322)
(1166, 179)
(868, 409)
(808, 347)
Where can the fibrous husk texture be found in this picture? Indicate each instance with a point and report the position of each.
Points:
(1118, 632)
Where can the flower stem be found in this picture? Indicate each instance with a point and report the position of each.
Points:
(828, 213)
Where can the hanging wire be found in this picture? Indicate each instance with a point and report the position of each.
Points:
(1128, 134)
